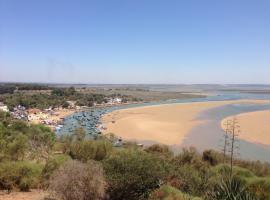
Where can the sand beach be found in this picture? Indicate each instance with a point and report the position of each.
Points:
(254, 126)
(167, 124)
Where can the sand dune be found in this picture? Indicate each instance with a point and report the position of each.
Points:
(166, 124)
(254, 126)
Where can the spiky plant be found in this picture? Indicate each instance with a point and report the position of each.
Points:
(230, 189)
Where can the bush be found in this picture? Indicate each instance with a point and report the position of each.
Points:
(188, 156)
(20, 175)
(192, 180)
(260, 187)
(78, 181)
(52, 164)
(169, 193)
(212, 157)
(19, 140)
(90, 150)
(162, 151)
(133, 174)
(257, 167)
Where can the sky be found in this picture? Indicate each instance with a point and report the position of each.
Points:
(135, 41)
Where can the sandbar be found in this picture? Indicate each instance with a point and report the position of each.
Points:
(254, 126)
(166, 124)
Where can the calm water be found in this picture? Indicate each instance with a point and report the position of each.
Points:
(210, 132)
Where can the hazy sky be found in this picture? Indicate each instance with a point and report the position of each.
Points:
(135, 41)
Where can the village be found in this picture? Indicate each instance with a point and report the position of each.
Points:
(53, 117)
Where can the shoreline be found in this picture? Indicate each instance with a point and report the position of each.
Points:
(255, 131)
(166, 123)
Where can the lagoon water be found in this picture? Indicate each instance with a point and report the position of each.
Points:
(211, 132)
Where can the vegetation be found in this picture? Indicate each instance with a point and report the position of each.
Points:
(20, 141)
(75, 167)
(133, 174)
(78, 181)
(14, 94)
(167, 192)
(90, 150)
(230, 188)
(19, 174)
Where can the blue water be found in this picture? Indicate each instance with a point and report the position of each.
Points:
(210, 132)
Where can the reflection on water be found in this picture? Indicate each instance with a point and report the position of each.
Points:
(212, 133)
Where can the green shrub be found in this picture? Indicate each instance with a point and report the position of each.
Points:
(192, 180)
(260, 187)
(133, 174)
(162, 151)
(190, 157)
(20, 175)
(257, 167)
(20, 141)
(90, 150)
(169, 193)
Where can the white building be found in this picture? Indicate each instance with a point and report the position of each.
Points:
(116, 100)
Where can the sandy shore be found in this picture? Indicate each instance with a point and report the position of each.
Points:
(254, 126)
(166, 124)
(59, 115)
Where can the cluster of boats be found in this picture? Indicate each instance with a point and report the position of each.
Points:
(90, 120)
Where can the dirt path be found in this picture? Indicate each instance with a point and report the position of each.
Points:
(33, 195)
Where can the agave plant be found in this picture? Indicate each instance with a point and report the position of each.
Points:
(230, 189)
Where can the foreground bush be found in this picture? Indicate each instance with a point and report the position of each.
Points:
(191, 172)
(133, 174)
(19, 175)
(52, 164)
(78, 181)
(170, 193)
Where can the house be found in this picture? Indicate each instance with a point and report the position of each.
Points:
(117, 100)
(3, 107)
(113, 101)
